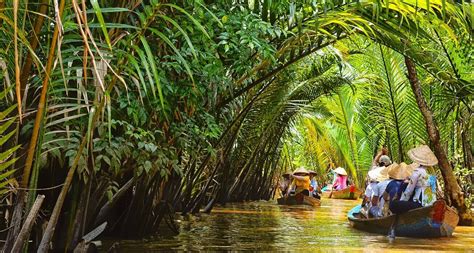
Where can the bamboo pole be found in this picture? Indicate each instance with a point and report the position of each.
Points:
(28, 225)
(34, 42)
(17, 57)
(41, 104)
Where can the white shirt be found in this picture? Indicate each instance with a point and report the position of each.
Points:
(369, 191)
(378, 193)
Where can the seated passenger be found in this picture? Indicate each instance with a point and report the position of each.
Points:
(369, 189)
(421, 188)
(301, 181)
(373, 176)
(381, 159)
(341, 179)
(313, 188)
(395, 188)
(377, 195)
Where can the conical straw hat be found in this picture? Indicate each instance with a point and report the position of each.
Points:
(392, 169)
(374, 174)
(300, 170)
(340, 171)
(312, 172)
(383, 174)
(423, 155)
(378, 174)
(400, 171)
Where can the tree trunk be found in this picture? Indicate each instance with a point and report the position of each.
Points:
(26, 229)
(453, 191)
(466, 143)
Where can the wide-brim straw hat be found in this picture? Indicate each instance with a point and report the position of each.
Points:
(300, 170)
(340, 171)
(286, 174)
(312, 172)
(400, 171)
(423, 156)
(383, 174)
(378, 174)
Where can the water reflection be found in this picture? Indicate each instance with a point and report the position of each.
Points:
(267, 226)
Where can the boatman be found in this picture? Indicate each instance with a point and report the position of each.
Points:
(301, 181)
(341, 179)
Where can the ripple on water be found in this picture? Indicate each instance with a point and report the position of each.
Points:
(266, 226)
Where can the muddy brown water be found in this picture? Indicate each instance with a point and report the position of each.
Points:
(266, 226)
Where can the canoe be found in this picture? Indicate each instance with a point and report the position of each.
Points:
(438, 220)
(299, 199)
(351, 192)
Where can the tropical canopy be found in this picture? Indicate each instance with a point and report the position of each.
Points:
(126, 111)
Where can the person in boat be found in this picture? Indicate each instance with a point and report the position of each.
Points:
(373, 177)
(377, 201)
(285, 183)
(421, 187)
(381, 159)
(301, 181)
(314, 187)
(340, 182)
(398, 175)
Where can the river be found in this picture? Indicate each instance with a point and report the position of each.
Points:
(266, 226)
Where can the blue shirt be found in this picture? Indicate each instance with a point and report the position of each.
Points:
(392, 188)
(314, 184)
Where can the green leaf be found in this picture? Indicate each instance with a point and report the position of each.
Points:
(186, 37)
(98, 13)
(183, 61)
(6, 137)
(5, 165)
(151, 60)
(7, 111)
(196, 23)
(4, 127)
(145, 64)
(6, 174)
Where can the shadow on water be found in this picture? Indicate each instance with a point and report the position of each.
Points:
(267, 226)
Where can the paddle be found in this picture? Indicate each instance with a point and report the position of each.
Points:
(330, 194)
(391, 232)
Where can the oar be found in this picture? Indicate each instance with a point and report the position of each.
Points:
(391, 232)
(330, 194)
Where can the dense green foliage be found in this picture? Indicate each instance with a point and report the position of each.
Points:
(155, 106)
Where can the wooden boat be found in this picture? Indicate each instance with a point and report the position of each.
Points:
(299, 199)
(438, 220)
(351, 192)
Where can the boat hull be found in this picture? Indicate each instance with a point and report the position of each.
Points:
(299, 200)
(351, 192)
(438, 220)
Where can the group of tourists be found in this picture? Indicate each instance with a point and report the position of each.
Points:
(394, 188)
(301, 181)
